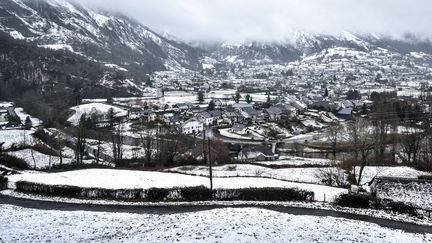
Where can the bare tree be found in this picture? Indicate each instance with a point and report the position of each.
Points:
(81, 142)
(334, 136)
(362, 143)
(410, 144)
(332, 176)
(147, 144)
(98, 149)
(117, 143)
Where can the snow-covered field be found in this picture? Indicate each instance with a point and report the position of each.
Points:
(307, 175)
(23, 115)
(17, 137)
(417, 193)
(99, 108)
(42, 160)
(297, 161)
(218, 225)
(226, 133)
(387, 171)
(123, 179)
(129, 152)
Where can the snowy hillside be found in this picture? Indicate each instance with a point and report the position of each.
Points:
(303, 45)
(100, 36)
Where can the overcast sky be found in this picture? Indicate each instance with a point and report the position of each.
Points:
(237, 20)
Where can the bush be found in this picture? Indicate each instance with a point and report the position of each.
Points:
(355, 201)
(48, 190)
(425, 177)
(3, 183)
(156, 194)
(265, 194)
(200, 193)
(400, 207)
(74, 166)
(13, 162)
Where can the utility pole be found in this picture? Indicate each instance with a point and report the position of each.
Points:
(210, 165)
(204, 145)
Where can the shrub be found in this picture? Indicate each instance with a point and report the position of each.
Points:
(48, 190)
(232, 167)
(74, 166)
(400, 207)
(268, 194)
(425, 177)
(3, 183)
(355, 200)
(156, 194)
(13, 162)
(199, 193)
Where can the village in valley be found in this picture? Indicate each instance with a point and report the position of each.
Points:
(112, 131)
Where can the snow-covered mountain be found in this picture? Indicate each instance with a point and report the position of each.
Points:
(98, 35)
(302, 45)
(121, 43)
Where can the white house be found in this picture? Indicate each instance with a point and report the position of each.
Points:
(192, 126)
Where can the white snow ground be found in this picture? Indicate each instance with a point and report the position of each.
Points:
(99, 108)
(389, 171)
(218, 225)
(123, 179)
(306, 175)
(16, 137)
(42, 160)
(23, 115)
(297, 161)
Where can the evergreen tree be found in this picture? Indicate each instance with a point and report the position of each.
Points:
(237, 97)
(200, 96)
(211, 105)
(248, 98)
(28, 123)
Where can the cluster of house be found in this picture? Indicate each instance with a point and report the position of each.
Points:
(192, 118)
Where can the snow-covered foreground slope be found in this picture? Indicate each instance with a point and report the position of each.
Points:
(218, 225)
(123, 179)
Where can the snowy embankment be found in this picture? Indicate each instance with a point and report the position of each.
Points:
(123, 179)
(217, 225)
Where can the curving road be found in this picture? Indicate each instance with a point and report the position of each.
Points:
(136, 209)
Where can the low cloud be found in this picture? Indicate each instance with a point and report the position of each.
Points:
(273, 20)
